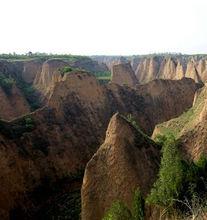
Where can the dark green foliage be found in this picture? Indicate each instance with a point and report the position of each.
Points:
(65, 69)
(103, 74)
(118, 211)
(138, 206)
(169, 184)
(143, 137)
(130, 118)
(17, 128)
(30, 94)
(41, 56)
(29, 123)
(6, 83)
(181, 185)
(103, 77)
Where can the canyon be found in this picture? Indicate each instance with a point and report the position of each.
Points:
(54, 115)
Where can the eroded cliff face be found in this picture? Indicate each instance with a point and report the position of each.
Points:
(190, 127)
(89, 65)
(171, 68)
(49, 75)
(13, 104)
(55, 142)
(126, 161)
(109, 61)
(30, 70)
(123, 74)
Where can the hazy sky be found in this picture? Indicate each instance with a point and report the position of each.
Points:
(111, 27)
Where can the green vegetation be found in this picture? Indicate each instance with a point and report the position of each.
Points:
(68, 69)
(40, 56)
(119, 210)
(169, 183)
(30, 94)
(184, 121)
(6, 83)
(18, 127)
(103, 77)
(143, 137)
(138, 206)
(181, 185)
(29, 123)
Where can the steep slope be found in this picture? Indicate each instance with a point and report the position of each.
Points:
(190, 127)
(109, 61)
(163, 66)
(171, 67)
(126, 161)
(13, 104)
(89, 65)
(30, 69)
(49, 74)
(122, 74)
(53, 144)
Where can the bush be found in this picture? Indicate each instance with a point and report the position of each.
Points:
(6, 83)
(29, 123)
(30, 94)
(138, 206)
(169, 183)
(118, 211)
(65, 69)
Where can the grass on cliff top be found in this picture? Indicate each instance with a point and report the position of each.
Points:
(185, 121)
(41, 56)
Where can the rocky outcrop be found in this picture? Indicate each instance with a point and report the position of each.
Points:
(171, 67)
(190, 127)
(49, 75)
(54, 143)
(164, 66)
(89, 64)
(30, 70)
(109, 61)
(126, 161)
(13, 104)
(122, 74)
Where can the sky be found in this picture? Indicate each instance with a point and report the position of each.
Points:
(103, 27)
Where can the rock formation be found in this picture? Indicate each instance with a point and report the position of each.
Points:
(49, 75)
(30, 69)
(90, 65)
(164, 66)
(190, 127)
(126, 161)
(56, 141)
(13, 104)
(122, 74)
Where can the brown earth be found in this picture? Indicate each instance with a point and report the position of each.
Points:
(190, 127)
(123, 74)
(55, 142)
(127, 160)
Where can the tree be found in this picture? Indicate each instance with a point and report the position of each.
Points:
(169, 183)
(138, 206)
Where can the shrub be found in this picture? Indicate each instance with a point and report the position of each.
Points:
(29, 123)
(169, 183)
(65, 69)
(118, 211)
(6, 83)
(138, 206)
